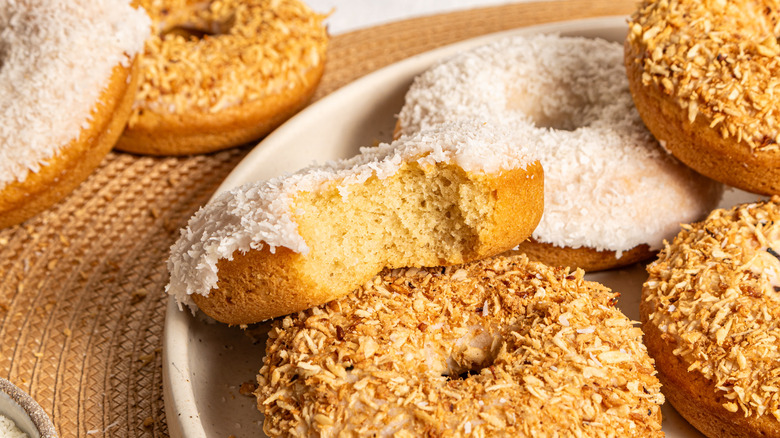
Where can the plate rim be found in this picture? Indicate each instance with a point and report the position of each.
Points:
(179, 399)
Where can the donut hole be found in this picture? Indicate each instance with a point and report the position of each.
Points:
(187, 32)
(193, 24)
(560, 110)
(417, 217)
(464, 375)
(571, 88)
(195, 31)
(559, 106)
(473, 353)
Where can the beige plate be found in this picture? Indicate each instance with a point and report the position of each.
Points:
(205, 363)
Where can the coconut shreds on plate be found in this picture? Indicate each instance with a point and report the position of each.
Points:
(9, 429)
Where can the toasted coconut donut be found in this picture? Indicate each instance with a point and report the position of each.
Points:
(500, 347)
(711, 315)
(611, 193)
(64, 99)
(704, 78)
(222, 73)
(456, 194)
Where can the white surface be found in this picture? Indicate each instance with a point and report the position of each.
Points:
(349, 15)
(205, 363)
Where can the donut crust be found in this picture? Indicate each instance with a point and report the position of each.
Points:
(258, 285)
(585, 258)
(22, 200)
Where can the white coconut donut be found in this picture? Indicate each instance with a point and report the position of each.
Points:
(66, 90)
(456, 193)
(610, 190)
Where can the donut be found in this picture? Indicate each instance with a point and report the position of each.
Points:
(710, 310)
(222, 73)
(611, 193)
(440, 197)
(704, 79)
(499, 347)
(66, 92)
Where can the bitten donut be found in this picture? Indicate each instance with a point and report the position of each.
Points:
(454, 194)
(66, 90)
(611, 193)
(222, 73)
(710, 311)
(704, 78)
(500, 347)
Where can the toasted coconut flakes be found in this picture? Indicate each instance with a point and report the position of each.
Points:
(467, 372)
(251, 50)
(728, 76)
(720, 275)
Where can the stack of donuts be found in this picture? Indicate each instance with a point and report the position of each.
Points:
(435, 284)
(197, 77)
(398, 315)
(404, 305)
(402, 282)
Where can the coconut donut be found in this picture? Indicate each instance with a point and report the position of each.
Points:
(499, 347)
(704, 78)
(222, 73)
(611, 194)
(711, 315)
(440, 197)
(66, 90)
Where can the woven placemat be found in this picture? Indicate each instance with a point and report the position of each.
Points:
(81, 297)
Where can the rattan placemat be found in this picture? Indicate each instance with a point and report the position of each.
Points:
(81, 296)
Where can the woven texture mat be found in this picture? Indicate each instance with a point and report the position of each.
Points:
(81, 291)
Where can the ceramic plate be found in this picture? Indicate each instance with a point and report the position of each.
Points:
(204, 364)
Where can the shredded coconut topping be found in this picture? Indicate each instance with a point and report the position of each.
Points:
(716, 298)
(56, 57)
(213, 55)
(608, 185)
(718, 59)
(414, 353)
(9, 429)
(258, 214)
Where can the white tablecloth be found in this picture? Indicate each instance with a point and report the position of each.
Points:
(349, 15)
